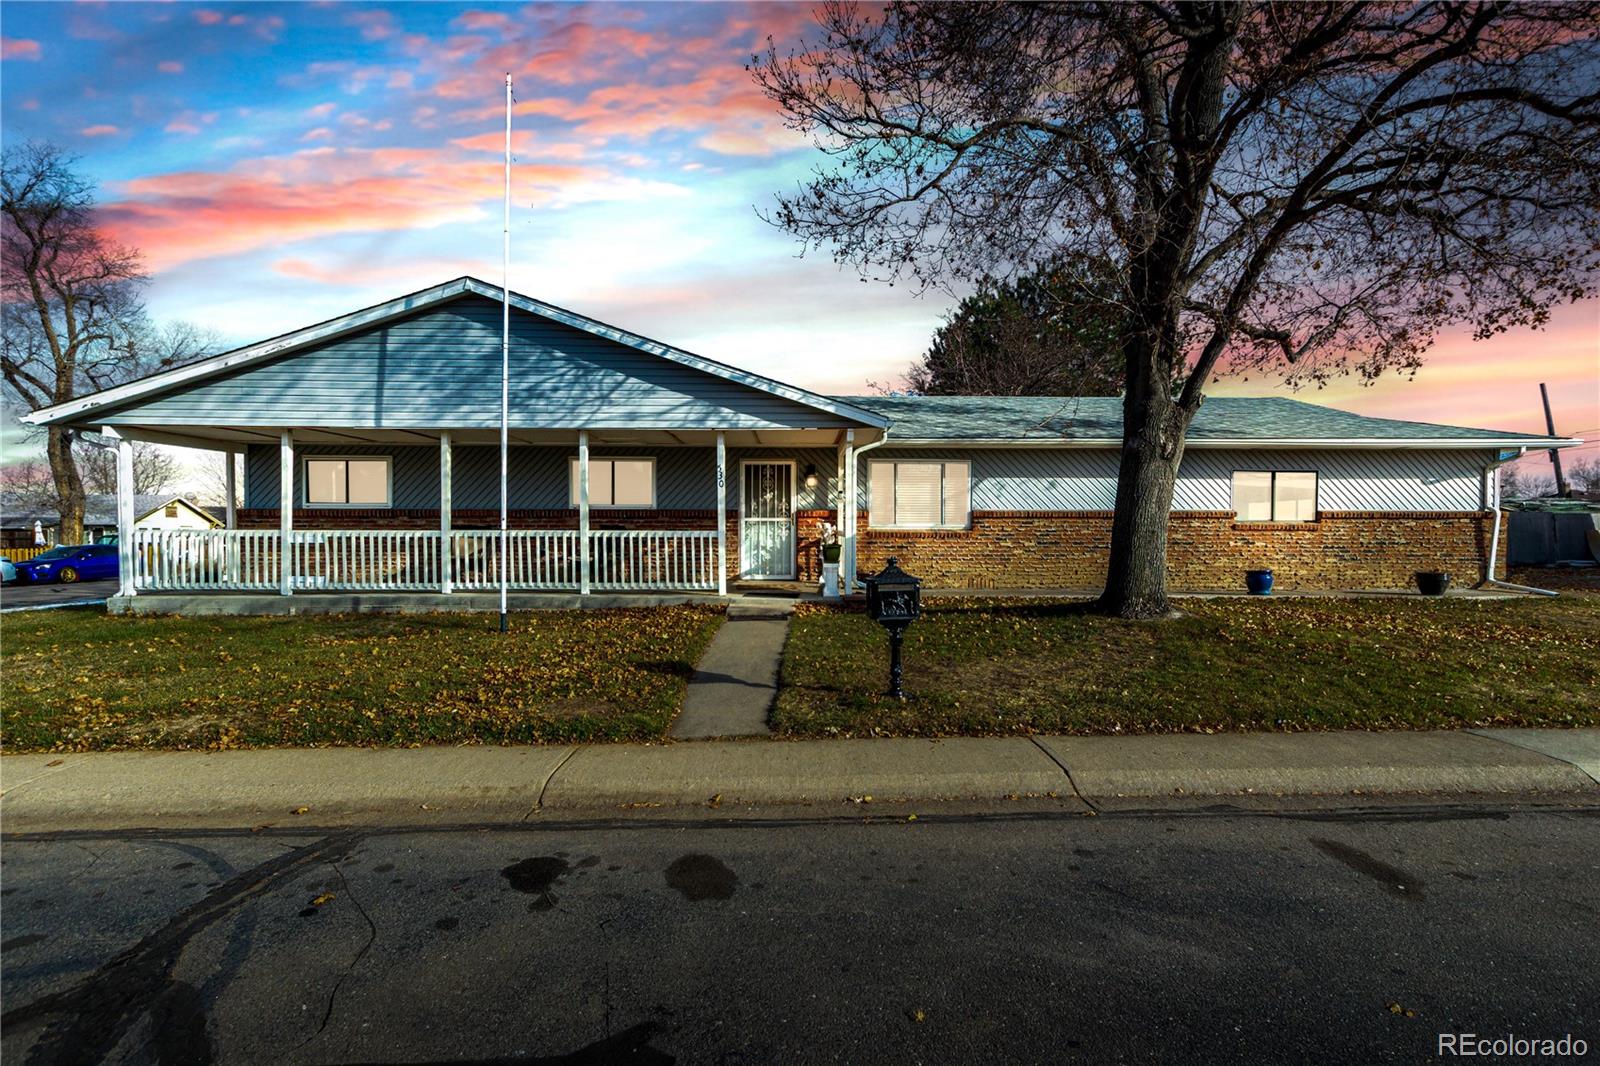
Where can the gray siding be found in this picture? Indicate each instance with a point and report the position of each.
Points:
(685, 477)
(1039, 479)
(441, 369)
(1078, 479)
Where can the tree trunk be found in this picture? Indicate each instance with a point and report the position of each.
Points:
(1153, 428)
(69, 486)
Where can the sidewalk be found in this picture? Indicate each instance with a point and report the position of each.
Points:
(460, 784)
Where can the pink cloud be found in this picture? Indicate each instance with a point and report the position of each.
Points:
(99, 131)
(170, 66)
(321, 133)
(270, 201)
(323, 109)
(207, 17)
(19, 48)
(375, 25)
(483, 20)
(179, 125)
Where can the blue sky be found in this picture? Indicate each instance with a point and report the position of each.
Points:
(278, 164)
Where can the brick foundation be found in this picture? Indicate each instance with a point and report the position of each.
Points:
(1206, 550)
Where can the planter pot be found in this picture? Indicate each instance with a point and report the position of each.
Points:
(1259, 582)
(1432, 582)
(830, 552)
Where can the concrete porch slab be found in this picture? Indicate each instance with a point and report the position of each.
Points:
(1306, 764)
(320, 603)
(806, 771)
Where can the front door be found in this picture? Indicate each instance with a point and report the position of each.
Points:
(766, 521)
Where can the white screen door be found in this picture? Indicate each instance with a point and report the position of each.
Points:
(766, 521)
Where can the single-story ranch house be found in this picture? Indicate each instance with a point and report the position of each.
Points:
(371, 450)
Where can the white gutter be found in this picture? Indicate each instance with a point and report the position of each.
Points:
(1384, 443)
(1492, 473)
(854, 482)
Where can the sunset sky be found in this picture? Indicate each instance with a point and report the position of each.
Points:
(280, 164)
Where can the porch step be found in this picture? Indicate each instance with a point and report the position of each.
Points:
(733, 687)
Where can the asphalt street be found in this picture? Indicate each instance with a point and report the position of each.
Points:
(37, 595)
(1029, 934)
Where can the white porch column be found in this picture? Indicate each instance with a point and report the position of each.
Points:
(231, 485)
(847, 513)
(285, 513)
(126, 557)
(230, 547)
(444, 513)
(722, 513)
(583, 512)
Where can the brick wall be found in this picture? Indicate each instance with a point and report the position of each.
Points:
(1206, 550)
(1056, 549)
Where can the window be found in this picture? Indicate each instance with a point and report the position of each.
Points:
(172, 510)
(1275, 496)
(347, 482)
(616, 482)
(920, 495)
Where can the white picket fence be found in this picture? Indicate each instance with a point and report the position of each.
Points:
(411, 560)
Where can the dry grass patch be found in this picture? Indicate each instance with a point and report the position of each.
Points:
(81, 680)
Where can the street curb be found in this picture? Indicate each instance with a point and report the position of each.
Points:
(482, 784)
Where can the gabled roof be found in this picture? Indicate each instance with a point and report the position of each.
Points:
(99, 509)
(1221, 421)
(85, 409)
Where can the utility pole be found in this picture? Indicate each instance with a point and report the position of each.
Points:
(1555, 455)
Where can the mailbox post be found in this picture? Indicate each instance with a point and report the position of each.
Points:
(894, 601)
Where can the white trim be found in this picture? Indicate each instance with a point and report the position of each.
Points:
(572, 481)
(873, 523)
(126, 559)
(286, 513)
(1272, 496)
(305, 482)
(371, 316)
(793, 571)
(722, 513)
(1244, 442)
(584, 554)
(446, 504)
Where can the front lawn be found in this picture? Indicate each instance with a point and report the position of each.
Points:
(81, 680)
(976, 666)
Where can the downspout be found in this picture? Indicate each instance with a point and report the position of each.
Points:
(855, 503)
(1491, 474)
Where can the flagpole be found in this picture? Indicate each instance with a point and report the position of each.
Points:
(505, 363)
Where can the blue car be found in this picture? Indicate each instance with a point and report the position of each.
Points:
(69, 563)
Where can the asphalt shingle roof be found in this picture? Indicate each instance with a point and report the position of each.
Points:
(1100, 418)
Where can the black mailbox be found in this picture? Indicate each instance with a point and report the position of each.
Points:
(894, 601)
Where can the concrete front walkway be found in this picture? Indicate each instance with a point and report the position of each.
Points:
(325, 786)
(736, 681)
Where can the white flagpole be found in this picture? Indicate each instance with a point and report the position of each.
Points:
(505, 363)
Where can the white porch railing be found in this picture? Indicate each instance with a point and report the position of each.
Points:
(535, 558)
(205, 559)
(647, 560)
(411, 560)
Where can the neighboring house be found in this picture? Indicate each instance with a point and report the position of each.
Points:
(371, 443)
(154, 511)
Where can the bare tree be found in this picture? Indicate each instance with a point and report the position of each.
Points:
(28, 484)
(72, 314)
(155, 469)
(1310, 188)
(1051, 332)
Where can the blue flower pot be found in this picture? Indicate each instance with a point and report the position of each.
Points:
(1259, 582)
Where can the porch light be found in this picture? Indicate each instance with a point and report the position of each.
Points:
(811, 476)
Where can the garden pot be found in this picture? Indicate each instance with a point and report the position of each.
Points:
(830, 552)
(1432, 582)
(1259, 582)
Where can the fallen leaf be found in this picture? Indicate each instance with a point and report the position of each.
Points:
(715, 801)
(326, 897)
(55, 762)
(300, 810)
(919, 1015)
